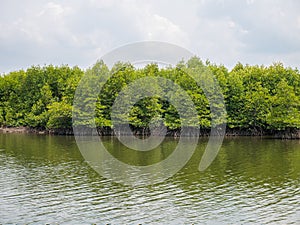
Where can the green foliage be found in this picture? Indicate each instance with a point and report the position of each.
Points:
(27, 96)
(263, 97)
(256, 97)
(60, 115)
(284, 108)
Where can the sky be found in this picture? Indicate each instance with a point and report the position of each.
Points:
(76, 32)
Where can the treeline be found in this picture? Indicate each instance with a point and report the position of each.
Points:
(40, 97)
(257, 98)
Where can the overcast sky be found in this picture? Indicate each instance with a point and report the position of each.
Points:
(79, 32)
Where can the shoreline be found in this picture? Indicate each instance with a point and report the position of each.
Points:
(291, 133)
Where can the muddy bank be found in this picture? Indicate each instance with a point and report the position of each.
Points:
(291, 133)
(29, 130)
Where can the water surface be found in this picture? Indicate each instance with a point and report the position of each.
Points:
(44, 179)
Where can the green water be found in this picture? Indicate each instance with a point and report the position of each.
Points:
(44, 179)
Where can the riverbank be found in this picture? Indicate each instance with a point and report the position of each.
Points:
(29, 130)
(291, 133)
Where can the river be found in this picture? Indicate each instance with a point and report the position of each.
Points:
(44, 179)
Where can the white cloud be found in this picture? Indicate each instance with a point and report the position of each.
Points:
(54, 9)
(155, 27)
(79, 32)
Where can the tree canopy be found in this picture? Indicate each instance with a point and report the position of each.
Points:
(256, 97)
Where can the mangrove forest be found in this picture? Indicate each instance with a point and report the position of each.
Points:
(259, 99)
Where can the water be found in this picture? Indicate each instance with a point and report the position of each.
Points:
(44, 179)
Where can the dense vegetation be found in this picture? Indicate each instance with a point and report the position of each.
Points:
(256, 97)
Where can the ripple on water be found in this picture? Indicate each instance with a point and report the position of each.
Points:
(67, 190)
